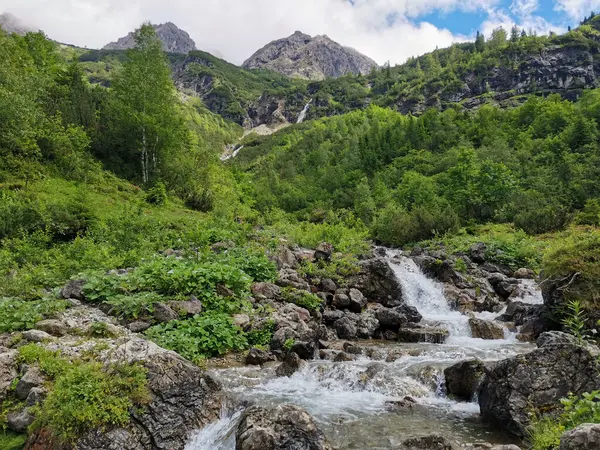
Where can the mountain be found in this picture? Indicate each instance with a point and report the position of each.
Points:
(12, 24)
(302, 56)
(174, 40)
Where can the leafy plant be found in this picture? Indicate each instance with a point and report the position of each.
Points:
(18, 315)
(261, 337)
(157, 194)
(288, 344)
(303, 299)
(574, 320)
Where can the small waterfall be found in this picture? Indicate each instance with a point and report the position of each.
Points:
(231, 152)
(302, 115)
(216, 436)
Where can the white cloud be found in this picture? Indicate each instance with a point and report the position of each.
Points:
(524, 8)
(577, 9)
(237, 28)
(526, 19)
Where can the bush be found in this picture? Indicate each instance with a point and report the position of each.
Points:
(18, 215)
(590, 215)
(11, 441)
(262, 337)
(19, 315)
(206, 335)
(69, 220)
(157, 194)
(200, 201)
(303, 299)
(536, 214)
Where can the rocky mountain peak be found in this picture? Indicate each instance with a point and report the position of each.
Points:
(313, 58)
(12, 24)
(174, 39)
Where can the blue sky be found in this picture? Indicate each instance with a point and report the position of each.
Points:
(385, 30)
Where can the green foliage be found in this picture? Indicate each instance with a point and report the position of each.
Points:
(288, 344)
(19, 315)
(303, 299)
(574, 320)
(206, 335)
(460, 265)
(11, 441)
(545, 432)
(340, 268)
(157, 194)
(261, 337)
(590, 214)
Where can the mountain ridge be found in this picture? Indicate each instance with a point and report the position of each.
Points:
(174, 39)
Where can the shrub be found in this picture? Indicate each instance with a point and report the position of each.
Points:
(11, 441)
(590, 215)
(206, 335)
(536, 214)
(18, 215)
(157, 194)
(18, 315)
(338, 269)
(69, 220)
(262, 337)
(200, 201)
(303, 299)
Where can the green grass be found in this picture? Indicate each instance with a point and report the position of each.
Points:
(11, 441)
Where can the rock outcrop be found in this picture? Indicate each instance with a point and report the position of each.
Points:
(282, 427)
(584, 437)
(515, 387)
(463, 379)
(302, 56)
(174, 40)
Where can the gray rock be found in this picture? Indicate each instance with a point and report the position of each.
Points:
(323, 252)
(423, 334)
(36, 336)
(330, 316)
(305, 349)
(262, 291)
(514, 388)
(357, 300)
(8, 370)
(390, 319)
(188, 307)
(164, 314)
(74, 289)
(551, 338)
(328, 285)
(32, 378)
(281, 427)
(53, 327)
(485, 329)
(341, 301)
(432, 442)
(19, 421)
(291, 278)
(345, 328)
(410, 312)
(290, 365)
(367, 325)
(584, 437)
(477, 252)
(257, 357)
(463, 379)
(524, 274)
(139, 326)
(241, 320)
(36, 395)
(174, 40)
(378, 283)
(281, 336)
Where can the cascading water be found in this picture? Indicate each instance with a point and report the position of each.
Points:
(351, 400)
(302, 115)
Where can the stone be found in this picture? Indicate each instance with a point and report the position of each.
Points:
(515, 387)
(32, 378)
(291, 278)
(330, 316)
(258, 357)
(36, 395)
(345, 328)
(524, 274)
(262, 291)
(173, 39)
(306, 350)
(19, 421)
(241, 320)
(357, 301)
(463, 379)
(323, 252)
(291, 364)
(53, 327)
(367, 325)
(431, 335)
(485, 329)
(552, 338)
(377, 282)
(341, 301)
(36, 336)
(477, 252)
(74, 289)
(432, 442)
(164, 314)
(352, 349)
(328, 285)
(390, 319)
(505, 288)
(280, 427)
(344, 357)
(8, 371)
(139, 326)
(584, 437)
(281, 336)
(410, 312)
(187, 307)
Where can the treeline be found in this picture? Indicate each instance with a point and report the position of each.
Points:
(409, 178)
(53, 121)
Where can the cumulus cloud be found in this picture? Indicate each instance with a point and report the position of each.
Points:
(237, 28)
(523, 16)
(577, 9)
(524, 8)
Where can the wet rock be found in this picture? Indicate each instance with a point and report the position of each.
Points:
(352, 348)
(357, 300)
(36, 395)
(378, 282)
(32, 378)
(584, 437)
(517, 312)
(423, 334)
(306, 350)
(366, 325)
(19, 421)
(345, 328)
(463, 379)
(281, 336)
(290, 365)
(328, 285)
(53, 327)
(262, 291)
(524, 274)
(436, 268)
(139, 326)
(344, 357)
(323, 252)
(74, 289)
(514, 388)
(164, 314)
(400, 405)
(282, 427)
(485, 329)
(257, 357)
(505, 288)
(535, 325)
(477, 252)
(390, 319)
(432, 442)
(188, 307)
(410, 312)
(36, 336)
(551, 338)
(8, 370)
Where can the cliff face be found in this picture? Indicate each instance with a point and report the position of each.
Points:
(302, 56)
(174, 40)
(12, 24)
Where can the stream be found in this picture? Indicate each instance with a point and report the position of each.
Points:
(351, 400)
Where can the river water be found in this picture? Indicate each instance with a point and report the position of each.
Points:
(351, 400)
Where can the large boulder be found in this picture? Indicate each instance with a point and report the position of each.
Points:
(433, 442)
(484, 329)
(430, 335)
(390, 319)
(33, 378)
(74, 289)
(258, 357)
(345, 328)
(463, 379)
(52, 327)
(8, 370)
(281, 427)
(263, 291)
(514, 388)
(584, 437)
(378, 282)
(290, 365)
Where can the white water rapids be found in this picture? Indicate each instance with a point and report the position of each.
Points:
(302, 115)
(352, 407)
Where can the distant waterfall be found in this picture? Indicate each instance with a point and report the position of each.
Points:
(231, 152)
(302, 115)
